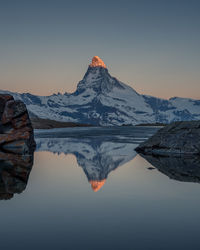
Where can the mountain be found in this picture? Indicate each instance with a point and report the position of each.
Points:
(101, 99)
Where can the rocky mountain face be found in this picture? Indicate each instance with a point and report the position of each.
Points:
(101, 99)
(16, 132)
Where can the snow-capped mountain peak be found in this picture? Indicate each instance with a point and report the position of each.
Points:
(101, 99)
(97, 62)
(99, 80)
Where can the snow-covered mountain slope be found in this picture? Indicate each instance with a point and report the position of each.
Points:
(101, 99)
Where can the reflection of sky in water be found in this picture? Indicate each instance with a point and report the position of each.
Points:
(135, 209)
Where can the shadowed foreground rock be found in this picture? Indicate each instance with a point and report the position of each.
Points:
(185, 169)
(178, 138)
(16, 146)
(14, 173)
(16, 132)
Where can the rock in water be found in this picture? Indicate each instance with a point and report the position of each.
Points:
(177, 138)
(16, 132)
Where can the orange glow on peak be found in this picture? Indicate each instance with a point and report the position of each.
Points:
(96, 185)
(97, 62)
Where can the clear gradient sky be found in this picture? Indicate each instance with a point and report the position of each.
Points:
(152, 45)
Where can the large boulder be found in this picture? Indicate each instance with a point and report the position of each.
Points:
(16, 132)
(177, 138)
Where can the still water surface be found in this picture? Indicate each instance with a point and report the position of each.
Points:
(90, 190)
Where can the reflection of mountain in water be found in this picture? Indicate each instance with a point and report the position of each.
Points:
(14, 173)
(177, 168)
(96, 156)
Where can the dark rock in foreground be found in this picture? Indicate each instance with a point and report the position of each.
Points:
(16, 132)
(175, 139)
(186, 169)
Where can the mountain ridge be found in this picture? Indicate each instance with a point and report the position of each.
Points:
(101, 99)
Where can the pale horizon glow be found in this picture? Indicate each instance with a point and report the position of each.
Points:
(152, 47)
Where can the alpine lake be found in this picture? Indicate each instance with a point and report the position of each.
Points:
(87, 188)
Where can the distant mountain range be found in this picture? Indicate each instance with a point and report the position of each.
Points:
(101, 99)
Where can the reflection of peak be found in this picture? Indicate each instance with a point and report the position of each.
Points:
(96, 185)
(97, 62)
(96, 157)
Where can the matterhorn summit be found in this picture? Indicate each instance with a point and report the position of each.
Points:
(102, 100)
(97, 62)
(98, 79)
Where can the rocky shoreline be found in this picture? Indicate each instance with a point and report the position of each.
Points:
(39, 123)
(178, 138)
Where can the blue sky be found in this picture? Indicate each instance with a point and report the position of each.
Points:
(153, 46)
